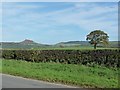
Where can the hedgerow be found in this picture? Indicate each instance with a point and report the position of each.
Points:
(107, 57)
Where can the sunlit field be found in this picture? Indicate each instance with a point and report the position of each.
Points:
(76, 75)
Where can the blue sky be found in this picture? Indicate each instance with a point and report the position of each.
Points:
(53, 22)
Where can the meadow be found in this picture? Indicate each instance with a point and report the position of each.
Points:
(76, 75)
(63, 48)
(72, 48)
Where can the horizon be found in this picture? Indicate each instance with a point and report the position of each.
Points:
(54, 22)
(43, 43)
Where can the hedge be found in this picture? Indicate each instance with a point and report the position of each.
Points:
(107, 58)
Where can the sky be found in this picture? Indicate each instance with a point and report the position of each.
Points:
(54, 22)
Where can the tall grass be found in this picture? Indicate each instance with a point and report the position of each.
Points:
(80, 75)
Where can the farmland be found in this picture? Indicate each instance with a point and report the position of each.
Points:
(77, 45)
(74, 43)
(63, 63)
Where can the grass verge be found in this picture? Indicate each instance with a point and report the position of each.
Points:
(80, 75)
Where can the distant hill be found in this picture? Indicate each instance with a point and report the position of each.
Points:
(114, 44)
(74, 43)
(86, 43)
(26, 44)
(30, 44)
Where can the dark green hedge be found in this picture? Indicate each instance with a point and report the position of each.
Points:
(87, 57)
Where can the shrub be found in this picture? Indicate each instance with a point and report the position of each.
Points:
(86, 57)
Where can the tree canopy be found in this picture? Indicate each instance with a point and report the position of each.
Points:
(97, 37)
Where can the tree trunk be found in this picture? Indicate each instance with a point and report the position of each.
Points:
(95, 45)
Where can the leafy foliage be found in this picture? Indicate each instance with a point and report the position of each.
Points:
(107, 57)
(97, 37)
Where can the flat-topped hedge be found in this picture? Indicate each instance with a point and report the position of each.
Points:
(86, 57)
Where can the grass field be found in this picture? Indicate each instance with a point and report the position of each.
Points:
(65, 48)
(72, 48)
(80, 75)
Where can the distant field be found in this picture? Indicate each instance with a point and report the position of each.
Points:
(64, 48)
(72, 48)
(80, 75)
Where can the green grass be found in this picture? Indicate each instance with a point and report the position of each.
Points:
(0, 66)
(72, 48)
(66, 48)
(80, 75)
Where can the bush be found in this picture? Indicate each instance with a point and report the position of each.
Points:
(88, 57)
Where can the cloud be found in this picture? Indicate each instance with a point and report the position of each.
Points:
(85, 17)
(15, 9)
(59, 1)
(68, 22)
